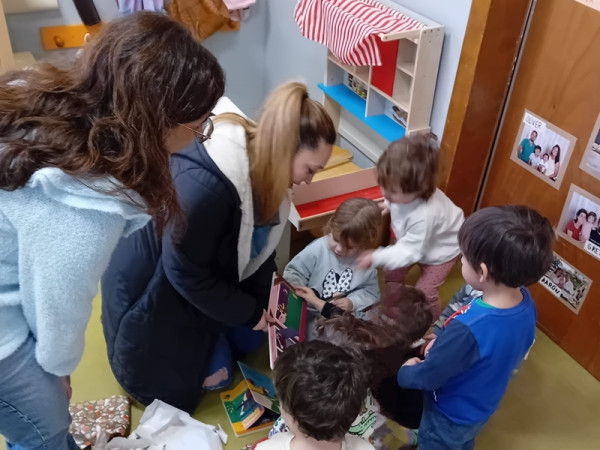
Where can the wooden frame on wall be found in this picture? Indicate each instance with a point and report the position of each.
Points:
(6, 53)
(492, 40)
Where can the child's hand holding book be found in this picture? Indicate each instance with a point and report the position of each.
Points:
(309, 296)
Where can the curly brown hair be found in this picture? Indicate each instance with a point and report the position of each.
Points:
(357, 222)
(383, 340)
(411, 165)
(107, 113)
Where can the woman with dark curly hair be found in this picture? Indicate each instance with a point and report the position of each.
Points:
(84, 160)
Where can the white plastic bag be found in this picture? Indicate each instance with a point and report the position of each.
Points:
(164, 427)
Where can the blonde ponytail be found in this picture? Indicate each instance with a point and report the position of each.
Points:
(289, 121)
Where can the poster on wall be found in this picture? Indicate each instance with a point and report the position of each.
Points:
(591, 3)
(591, 157)
(566, 283)
(580, 220)
(543, 149)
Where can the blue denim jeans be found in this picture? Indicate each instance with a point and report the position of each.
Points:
(34, 409)
(228, 347)
(437, 432)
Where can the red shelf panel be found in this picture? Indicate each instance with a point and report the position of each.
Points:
(330, 204)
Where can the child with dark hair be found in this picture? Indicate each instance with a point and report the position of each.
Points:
(467, 368)
(574, 227)
(321, 389)
(588, 226)
(535, 159)
(382, 343)
(324, 271)
(424, 220)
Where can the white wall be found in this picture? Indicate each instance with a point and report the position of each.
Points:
(269, 49)
(289, 55)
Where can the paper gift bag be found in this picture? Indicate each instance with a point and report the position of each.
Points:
(110, 414)
(164, 427)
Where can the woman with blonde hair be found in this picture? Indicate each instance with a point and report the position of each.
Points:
(174, 309)
(84, 156)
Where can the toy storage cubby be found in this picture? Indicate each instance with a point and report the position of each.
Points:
(374, 105)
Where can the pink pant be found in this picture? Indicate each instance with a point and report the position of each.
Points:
(430, 279)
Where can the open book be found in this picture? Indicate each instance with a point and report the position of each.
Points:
(252, 405)
(288, 315)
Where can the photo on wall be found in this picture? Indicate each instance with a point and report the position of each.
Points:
(591, 157)
(580, 220)
(543, 149)
(566, 283)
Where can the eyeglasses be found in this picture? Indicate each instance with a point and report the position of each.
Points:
(207, 130)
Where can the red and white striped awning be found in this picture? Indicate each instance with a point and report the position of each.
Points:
(349, 28)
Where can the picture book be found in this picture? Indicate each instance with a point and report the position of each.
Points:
(288, 314)
(252, 405)
(262, 387)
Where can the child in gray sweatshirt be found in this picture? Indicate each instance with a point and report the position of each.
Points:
(324, 273)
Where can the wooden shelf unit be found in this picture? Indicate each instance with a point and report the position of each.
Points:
(414, 74)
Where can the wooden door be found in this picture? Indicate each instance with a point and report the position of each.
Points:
(556, 91)
(6, 54)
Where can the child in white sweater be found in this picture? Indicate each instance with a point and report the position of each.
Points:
(324, 271)
(425, 221)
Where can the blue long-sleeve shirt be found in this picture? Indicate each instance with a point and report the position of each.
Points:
(467, 370)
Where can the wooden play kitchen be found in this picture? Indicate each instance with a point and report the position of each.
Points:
(392, 93)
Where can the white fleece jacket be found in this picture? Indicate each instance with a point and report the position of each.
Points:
(426, 232)
(227, 148)
(56, 238)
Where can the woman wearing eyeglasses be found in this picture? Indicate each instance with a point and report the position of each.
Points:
(84, 160)
(177, 311)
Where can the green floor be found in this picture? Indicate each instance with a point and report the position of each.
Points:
(551, 404)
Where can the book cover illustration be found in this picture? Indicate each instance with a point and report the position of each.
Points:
(288, 315)
(261, 387)
(252, 405)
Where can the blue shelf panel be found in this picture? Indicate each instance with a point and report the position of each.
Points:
(381, 123)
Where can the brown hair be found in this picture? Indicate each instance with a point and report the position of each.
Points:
(411, 165)
(322, 386)
(290, 121)
(385, 338)
(108, 111)
(514, 242)
(357, 222)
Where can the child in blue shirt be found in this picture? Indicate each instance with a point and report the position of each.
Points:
(467, 368)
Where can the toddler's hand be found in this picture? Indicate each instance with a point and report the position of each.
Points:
(262, 323)
(364, 260)
(428, 346)
(309, 296)
(413, 362)
(343, 303)
(429, 338)
(66, 382)
(383, 208)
